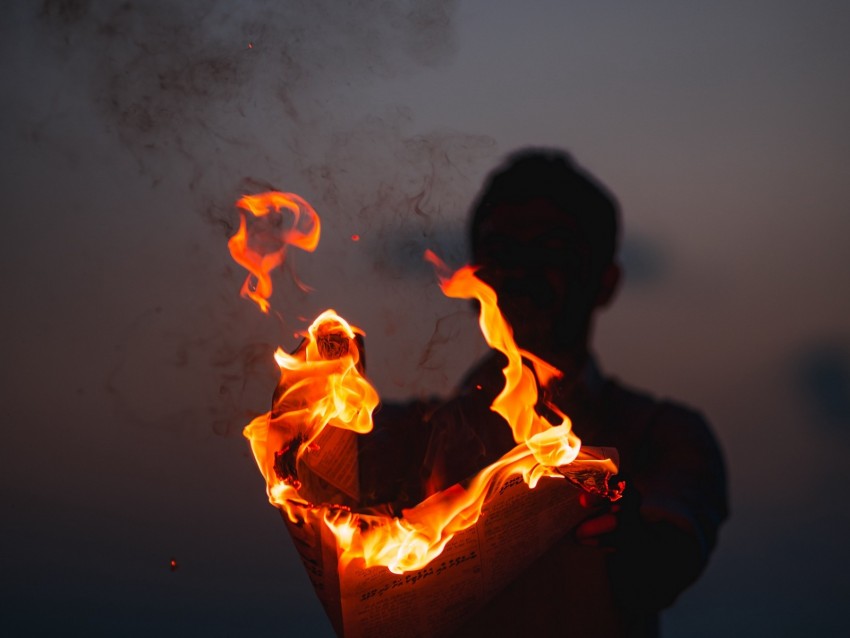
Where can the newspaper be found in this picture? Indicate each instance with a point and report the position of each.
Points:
(517, 525)
(332, 473)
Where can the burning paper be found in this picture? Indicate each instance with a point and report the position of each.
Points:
(306, 449)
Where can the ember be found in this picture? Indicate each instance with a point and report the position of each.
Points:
(332, 341)
(284, 461)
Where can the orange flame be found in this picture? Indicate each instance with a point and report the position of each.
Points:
(303, 233)
(322, 384)
(551, 445)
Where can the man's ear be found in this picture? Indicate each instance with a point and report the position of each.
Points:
(609, 284)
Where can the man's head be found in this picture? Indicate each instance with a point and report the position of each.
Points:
(544, 235)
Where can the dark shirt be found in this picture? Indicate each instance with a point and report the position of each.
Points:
(674, 503)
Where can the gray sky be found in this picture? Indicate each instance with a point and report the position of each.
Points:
(131, 363)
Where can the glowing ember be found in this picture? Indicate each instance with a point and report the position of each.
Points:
(321, 384)
(173, 564)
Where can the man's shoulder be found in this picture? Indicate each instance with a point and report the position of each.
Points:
(671, 434)
(627, 400)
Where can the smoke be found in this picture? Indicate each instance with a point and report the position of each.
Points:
(218, 86)
(822, 376)
(645, 260)
(420, 200)
(211, 100)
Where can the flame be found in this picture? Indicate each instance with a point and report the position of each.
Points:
(552, 445)
(303, 233)
(322, 384)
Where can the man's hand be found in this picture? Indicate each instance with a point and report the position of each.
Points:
(598, 531)
(650, 562)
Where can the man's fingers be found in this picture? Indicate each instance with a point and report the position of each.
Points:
(589, 501)
(589, 530)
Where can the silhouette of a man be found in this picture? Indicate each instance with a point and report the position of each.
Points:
(544, 235)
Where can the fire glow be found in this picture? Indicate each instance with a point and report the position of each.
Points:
(322, 385)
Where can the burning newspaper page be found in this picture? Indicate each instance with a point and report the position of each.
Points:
(402, 568)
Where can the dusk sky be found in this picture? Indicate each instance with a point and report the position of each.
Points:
(131, 364)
